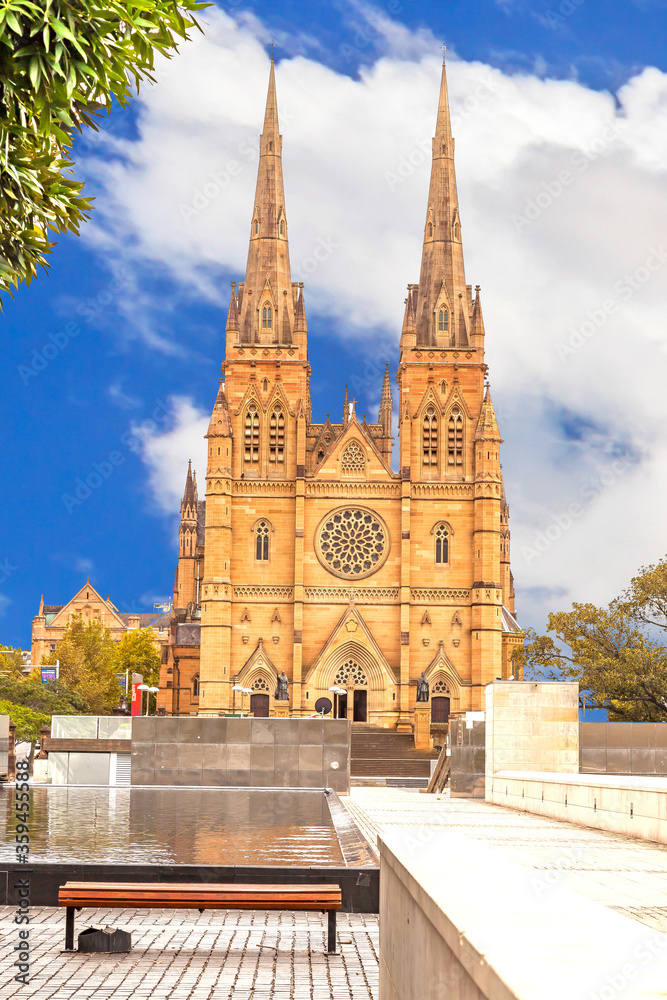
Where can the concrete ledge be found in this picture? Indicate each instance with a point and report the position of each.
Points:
(459, 920)
(633, 805)
(359, 886)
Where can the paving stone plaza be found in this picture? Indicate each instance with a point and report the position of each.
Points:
(238, 955)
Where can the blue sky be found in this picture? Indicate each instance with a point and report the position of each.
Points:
(116, 352)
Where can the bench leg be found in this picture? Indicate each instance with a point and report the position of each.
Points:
(331, 947)
(69, 928)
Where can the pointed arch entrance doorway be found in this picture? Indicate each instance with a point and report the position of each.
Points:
(354, 704)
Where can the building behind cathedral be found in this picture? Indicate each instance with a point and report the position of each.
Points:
(309, 555)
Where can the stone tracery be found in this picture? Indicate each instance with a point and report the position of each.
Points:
(352, 543)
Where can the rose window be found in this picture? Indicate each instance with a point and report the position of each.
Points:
(352, 542)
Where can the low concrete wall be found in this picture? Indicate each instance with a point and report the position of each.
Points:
(532, 726)
(246, 753)
(468, 759)
(458, 920)
(4, 744)
(623, 748)
(632, 805)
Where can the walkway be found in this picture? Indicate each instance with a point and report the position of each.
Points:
(179, 955)
(629, 876)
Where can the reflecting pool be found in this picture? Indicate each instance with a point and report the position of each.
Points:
(181, 826)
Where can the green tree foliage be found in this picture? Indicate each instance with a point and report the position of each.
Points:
(618, 654)
(87, 664)
(28, 721)
(53, 698)
(137, 653)
(61, 63)
(11, 661)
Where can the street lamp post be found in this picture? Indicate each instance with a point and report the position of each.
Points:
(337, 692)
(235, 688)
(149, 690)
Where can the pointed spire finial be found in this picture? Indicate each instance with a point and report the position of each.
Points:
(189, 492)
(268, 269)
(442, 279)
(386, 404)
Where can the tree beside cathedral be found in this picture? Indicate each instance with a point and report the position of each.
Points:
(310, 555)
(87, 656)
(618, 653)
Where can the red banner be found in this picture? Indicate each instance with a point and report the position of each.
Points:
(137, 695)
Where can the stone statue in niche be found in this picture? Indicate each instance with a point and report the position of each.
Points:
(282, 687)
(422, 687)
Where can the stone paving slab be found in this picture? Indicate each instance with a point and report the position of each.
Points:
(181, 955)
(626, 875)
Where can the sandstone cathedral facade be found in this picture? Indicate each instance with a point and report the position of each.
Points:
(311, 558)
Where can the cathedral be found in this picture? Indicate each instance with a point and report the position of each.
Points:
(320, 564)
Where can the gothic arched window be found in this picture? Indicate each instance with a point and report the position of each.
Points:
(251, 437)
(262, 531)
(353, 460)
(267, 317)
(256, 227)
(282, 225)
(441, 545)
(443, 321)
(456, 230)
(195, 686)
(430, 438)
(277, 436)
(430, 229)
(455, 439)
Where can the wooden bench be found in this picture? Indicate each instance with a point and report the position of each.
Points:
(204, 896)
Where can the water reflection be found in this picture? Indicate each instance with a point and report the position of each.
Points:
(185, 826)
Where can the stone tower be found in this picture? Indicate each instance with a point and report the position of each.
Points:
(320, 560)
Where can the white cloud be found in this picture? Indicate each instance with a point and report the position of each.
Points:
(166, 452)
(562, 200)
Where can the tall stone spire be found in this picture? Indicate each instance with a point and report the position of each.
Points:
(442, 302)
(487, 424)
(190, 492)
(267, 298)
(386, 405)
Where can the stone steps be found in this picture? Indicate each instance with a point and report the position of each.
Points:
(384, 753)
